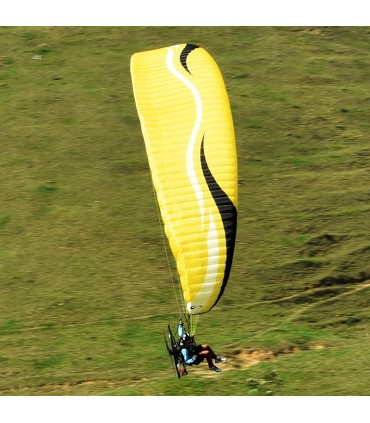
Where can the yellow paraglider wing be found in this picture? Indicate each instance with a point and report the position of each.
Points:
(189, 137)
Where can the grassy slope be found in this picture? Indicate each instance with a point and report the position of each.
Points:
(84, 282)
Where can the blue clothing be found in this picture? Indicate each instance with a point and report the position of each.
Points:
(180, 329)
(188, 355)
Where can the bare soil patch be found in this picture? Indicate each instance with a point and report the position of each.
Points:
(244, 359)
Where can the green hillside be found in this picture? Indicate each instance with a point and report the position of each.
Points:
(85, 287)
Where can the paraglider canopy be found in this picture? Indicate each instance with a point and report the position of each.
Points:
(188, 130)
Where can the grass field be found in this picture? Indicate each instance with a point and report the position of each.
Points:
(85, 288)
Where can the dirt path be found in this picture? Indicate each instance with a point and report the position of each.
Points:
(303, 309)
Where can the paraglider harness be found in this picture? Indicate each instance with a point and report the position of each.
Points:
(174, 347)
